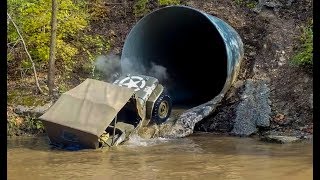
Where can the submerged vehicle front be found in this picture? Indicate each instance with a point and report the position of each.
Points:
(150, 104)
(154, 103)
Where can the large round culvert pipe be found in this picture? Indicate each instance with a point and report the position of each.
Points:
(200, 53)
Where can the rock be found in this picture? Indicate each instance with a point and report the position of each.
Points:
(308, 137)
(289, 2)
(186, 122)
(252, 53)
(308, 129)
(280, 139)
(311, 101)
(281, 119)
(21, 109)
(262, 105)
(147, 132)
(32, 111)
(274, 4)
(254, 109)
(271, 3)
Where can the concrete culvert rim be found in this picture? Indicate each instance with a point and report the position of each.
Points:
(187, 45)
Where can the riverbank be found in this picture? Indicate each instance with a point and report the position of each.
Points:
(28, 124)
(270, 35)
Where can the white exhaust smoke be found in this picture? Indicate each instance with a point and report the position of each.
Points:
(109, 66)
(135, 66)
(112, 67)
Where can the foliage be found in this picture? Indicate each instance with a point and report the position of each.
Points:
(30, 124)
(97, 10)
(33, 123)
(17, 125)
(74, 43)
(168, 2)
(63, 88)
(140, 8)
(304, 56)
(91, 47)
(33, 17)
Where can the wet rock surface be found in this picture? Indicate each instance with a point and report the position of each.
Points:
(185, 123)
(254, 109)
(280, 139)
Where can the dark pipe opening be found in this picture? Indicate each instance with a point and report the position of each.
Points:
(188, 45)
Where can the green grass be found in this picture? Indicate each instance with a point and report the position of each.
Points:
(140, 8)
(304, 55)
(168, 2)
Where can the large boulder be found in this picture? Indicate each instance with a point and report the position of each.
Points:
(254, 110)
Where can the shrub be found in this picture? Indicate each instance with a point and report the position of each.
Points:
(168, 2)
(33, 18)
(140, 8)
(304, 55)
(74, 43)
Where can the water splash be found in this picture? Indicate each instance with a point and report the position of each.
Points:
(136, 140)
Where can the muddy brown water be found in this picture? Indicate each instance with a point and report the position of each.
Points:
(200, 156)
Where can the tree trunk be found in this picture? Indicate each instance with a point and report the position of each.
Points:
(52, 58)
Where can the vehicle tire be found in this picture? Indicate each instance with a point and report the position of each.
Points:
(161, 109)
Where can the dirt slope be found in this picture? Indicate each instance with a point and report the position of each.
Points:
(270, 37)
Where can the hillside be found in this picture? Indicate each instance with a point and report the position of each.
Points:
(271, 32)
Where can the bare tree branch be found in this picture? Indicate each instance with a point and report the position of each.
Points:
(15, 42)
(12, 47)
(25, 48)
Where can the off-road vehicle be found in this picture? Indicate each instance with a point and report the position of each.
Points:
(97, 113)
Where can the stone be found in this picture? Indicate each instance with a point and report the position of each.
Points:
(254, 109)
(21, 109)
(252, 53)
(274, 4)
(279, 117)
(186, 122)
(32, 111)
(280, 139)
(311, 101)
